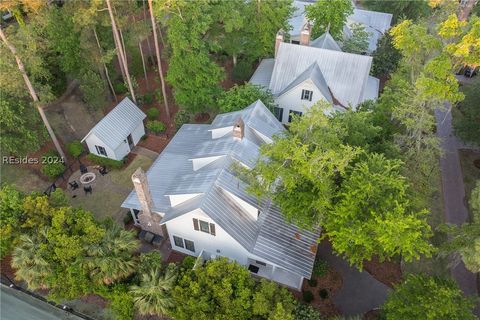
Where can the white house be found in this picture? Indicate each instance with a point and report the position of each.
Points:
(193, 196)
(301, 75)
(118, 132)
(375, 23)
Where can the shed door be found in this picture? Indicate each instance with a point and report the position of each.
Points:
(130, 141)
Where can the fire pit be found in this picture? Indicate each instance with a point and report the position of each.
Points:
(87, 178)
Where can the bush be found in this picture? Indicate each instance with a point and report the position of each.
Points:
(53, 165)
(58, 198)
(242, 71)
(312, 282)
(306, 312)
(153, 113)
(127, 218)
(188, 262)
(159, 95)
(323, 293)
(181, 117)
(148, 98)
(75, 148)
(109, 163)
(119, 88)
(307, 296)
(156, 126)
(320, 268)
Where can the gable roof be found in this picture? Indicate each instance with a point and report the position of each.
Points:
(263, 73)
(118, 123)
(346, 74)
(325, 41)
(314, 74)
(376, 24)
(212, 186)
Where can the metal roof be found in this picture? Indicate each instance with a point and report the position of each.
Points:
(298, 19)
(263, 73)
(371, 91)
(346, 74)
(325, 41)
(118, 123)
(376, 24)
(172, 173)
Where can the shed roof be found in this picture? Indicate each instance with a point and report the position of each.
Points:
(118, 123)
(346, 74)
(172, 173)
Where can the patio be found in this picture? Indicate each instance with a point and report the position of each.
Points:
(107, 191)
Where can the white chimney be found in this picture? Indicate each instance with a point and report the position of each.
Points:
(278, 40)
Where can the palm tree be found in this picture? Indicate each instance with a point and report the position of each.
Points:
(112, 259)
(153, 296)
(30, 264)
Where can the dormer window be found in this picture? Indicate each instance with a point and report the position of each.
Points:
(307, 95)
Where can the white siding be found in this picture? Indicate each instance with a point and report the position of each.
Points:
(138, 133)
(292, 100)
(93, 141)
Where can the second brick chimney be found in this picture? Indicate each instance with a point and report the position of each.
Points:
(278, 40)
(239, 129)
(305, 35)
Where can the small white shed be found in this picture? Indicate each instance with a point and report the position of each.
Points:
(118, 132)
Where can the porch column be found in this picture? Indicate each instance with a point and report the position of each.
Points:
(135, 220)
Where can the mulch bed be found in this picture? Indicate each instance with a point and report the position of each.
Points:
(331, 282)
(176, 257)
(202, 117)
(372, 315)
(155, 143)
(6, 267)
(387, 272)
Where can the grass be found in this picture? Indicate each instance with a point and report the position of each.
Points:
(110, 191)
(471, 174)
(23, 179)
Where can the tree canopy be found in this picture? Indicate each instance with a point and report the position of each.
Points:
(358, 41)
(329, 15)
(239, 97)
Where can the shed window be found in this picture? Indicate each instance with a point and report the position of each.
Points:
(278, 113)
(101, 150)
(307, 95)
(178, 241)
(290, 116)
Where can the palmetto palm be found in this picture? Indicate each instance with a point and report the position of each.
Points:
(112, 259)
(153, 295)
(30, 264)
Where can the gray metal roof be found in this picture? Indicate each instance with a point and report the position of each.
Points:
(371, 92)
(172, 174)
(298, 19)
(118, 123)
(263, 73)
(346, 74)
(325, 41)
(376, 24)
(315, 75)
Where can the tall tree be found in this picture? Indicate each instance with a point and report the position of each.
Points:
(239, 97)
(358, 41)
(33, 94)
(329, 15)
(410, 9)
(120, 50)
(159, 60)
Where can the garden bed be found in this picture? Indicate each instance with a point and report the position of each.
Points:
(387, 272)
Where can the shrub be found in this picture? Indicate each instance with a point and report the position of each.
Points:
(156, 126)
(307, 296)
(119, 87)
(323, 293)
(240, 97)
(312, 282)
(58, 198)
(320, 268)
(188, 262)
(153, 113)
(52, 164)
(242, 71)
(181, 117)
(306, 312)
(75, 148)
(127, 218)
(109, 163)
(159, 95)
(148, 98)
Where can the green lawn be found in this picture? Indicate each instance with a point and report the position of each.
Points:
(109, 191)
(23, 179)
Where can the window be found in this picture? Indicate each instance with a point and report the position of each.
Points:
(307, 95)
(253, 269)
(200, 225)
(278, 113)
(189, 245)
(101, 150)
(261, 263)
(290, 116)
(295, 42)
(178, 241)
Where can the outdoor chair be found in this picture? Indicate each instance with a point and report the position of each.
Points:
(103, 170)
(83, 169)
(87, 190)
(73, 185)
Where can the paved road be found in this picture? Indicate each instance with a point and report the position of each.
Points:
(360, 292)
(16, 305)
(454, 194)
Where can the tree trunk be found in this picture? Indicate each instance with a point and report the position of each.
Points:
(234, 58)
(120, 50)
(143, 59)
(34, 96)
(159, 61)
(146, 22)
(466, 9)
(105, 70)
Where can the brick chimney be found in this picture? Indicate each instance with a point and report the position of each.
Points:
(239, 129)
(278, 40)
(149, 220)
(305, 34)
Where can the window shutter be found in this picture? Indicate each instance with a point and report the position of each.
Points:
(195, 224)
(310, 95)
(212, 229)
(303, 94)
